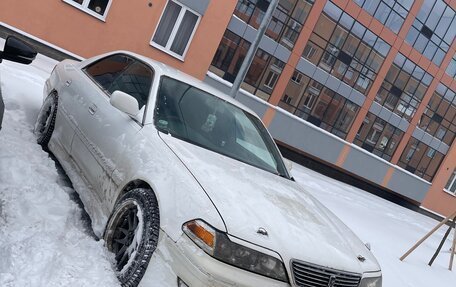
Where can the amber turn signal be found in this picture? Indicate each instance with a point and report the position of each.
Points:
(201, 231)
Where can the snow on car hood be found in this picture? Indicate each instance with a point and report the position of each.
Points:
(248, 198)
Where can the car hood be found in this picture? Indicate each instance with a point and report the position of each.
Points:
(298, 226)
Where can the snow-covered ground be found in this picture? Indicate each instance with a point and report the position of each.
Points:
(43, 241)
(390, 229)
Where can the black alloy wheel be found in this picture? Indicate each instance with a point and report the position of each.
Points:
(132, 234)
(123, 240)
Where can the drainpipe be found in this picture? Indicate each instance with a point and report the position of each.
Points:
(253, 48)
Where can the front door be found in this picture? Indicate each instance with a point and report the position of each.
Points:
(106, 131)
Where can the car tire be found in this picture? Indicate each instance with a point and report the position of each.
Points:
(45, 122)
(132, 234)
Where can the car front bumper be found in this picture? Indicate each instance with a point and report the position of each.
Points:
(193, 266)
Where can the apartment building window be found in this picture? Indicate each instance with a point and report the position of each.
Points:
(287, 99)
(345, 48)
(451, 69)
(433, 30)
(229, 56)
(309, 52)
(175, 29)
(403, 87)
(319, 105)
(390, 13)
(271, 79)
(287, 20)
(439, 118)
(420, 159)
(297, 77)
(96, 8)
(263, 73)
(378, 137)
(451, 185)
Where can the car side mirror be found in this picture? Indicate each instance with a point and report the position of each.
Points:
(124, 103)
(288, 164)
(18, 51)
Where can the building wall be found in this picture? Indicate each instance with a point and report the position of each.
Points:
(392, 170)
(129, 25)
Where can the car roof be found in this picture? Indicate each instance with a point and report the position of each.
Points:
(166, 70)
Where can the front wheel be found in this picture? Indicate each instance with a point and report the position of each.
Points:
(132, 234)
(45, 122)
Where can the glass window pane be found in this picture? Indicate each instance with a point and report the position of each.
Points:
(382, 12)
(394, 22)
(167, 22)
(98, 6)
(184, 33)
(105, 71)
(332, 10)
(324, 27)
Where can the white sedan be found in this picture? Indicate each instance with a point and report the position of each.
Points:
(171, 170)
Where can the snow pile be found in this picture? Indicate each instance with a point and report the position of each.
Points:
(390, 229)
(42, 237)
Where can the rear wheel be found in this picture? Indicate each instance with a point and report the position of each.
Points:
(132, 234)
(45, 122)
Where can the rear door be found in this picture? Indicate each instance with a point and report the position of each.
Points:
(80, 107)
(106, 132)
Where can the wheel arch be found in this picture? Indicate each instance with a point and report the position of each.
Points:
(136, 183)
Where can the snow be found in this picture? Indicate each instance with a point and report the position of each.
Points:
(43, 240)
(390, 229)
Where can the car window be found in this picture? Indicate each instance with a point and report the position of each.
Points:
(198, 117)
(122, 73)
(105, 71)
(136, 81)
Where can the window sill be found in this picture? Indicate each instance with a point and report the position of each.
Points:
(163, 49)
(449, 192)
(88, 11)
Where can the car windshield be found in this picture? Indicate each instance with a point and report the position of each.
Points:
(198, 117)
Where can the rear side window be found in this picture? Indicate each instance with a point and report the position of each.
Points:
(122, 73)
(105, 71)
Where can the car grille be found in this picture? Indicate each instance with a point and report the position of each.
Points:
(309, 275)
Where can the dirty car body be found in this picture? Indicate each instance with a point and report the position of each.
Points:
(229, 212)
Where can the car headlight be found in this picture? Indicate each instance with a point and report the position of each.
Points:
(371, 282)
(218, 245)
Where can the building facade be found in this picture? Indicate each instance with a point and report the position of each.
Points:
(367, 87)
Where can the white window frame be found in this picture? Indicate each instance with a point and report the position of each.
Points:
(167, 48)
(273, 77)
(362, 81)
(85, 8)
(309, 53)
(297, 77)
(309, 101)
(287, 99)
(377, 129)
(452, 182)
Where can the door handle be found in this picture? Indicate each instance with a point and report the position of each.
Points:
(92, 109)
